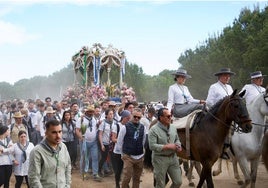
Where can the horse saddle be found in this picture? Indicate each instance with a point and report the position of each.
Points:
(187, 121)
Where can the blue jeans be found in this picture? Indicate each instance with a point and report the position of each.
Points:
(89, 150)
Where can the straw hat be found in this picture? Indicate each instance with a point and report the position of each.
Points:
(112, 103)
(90, 108)
(18, 115)
(49, 110)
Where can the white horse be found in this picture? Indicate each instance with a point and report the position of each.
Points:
(247, 146)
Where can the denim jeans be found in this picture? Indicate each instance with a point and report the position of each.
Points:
(90, 151)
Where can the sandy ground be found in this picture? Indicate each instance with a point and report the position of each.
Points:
(225, 179)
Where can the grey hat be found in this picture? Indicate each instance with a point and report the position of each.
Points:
(256, 74)
(224, 71)
(182, 72)
(3, 129)
(125, 113)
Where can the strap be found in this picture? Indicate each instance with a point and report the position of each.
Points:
(23, 150)
(118, 128)
(2, 144)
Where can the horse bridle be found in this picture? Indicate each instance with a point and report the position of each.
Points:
(235, 120)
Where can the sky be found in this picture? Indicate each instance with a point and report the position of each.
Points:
(39, 37)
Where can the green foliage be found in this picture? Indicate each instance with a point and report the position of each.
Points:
(242, 47)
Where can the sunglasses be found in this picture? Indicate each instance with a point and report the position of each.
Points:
(137, 117)
(168, 116)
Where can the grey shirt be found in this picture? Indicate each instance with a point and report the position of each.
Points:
(159, 135)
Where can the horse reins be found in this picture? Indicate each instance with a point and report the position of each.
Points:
(237, 129)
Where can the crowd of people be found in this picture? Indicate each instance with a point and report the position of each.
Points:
(44, 141)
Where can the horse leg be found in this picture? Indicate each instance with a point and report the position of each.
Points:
(254, 169)
(198, 169)
(218, 171)
(206, 175)
(236, 174)
(244, 168)
(190, 174)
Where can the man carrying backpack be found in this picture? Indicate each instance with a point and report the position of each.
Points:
(86, 131)
(18, 126)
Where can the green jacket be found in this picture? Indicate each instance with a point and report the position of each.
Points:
(48, 169)
(159, 136)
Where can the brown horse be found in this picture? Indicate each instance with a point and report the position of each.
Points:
(207, 138)
(265, 150)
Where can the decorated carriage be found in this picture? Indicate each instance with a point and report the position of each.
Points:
(89, 66)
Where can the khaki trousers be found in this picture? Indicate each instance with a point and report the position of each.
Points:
(132, 169)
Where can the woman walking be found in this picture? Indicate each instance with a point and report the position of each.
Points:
(22, 151)
(105, 130)
(6, 158)
(68, 135)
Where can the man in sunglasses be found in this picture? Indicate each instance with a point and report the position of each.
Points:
(164, 143)
(131, 141)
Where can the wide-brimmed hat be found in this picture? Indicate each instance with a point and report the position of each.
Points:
(224, 71)
(112, 103)
(3, 129)
(18, 115)
(90, 108)
(256, 74)
(49, 110)
(182, 72)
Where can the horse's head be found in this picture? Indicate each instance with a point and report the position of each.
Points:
(238, 111)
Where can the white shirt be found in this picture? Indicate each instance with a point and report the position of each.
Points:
(179, 94)
(114, 130)
(120, 141)
(146, 122)
(22, 168)
(252, 91)
(6, 156)
(90, 134)
(217, 92)
(106, 129)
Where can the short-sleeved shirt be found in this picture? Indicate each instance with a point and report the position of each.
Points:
(106, 128)
(91, 133)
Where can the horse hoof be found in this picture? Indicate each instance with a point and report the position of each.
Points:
(240, 182)
(191, 184)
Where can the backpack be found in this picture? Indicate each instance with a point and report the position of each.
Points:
(12, 126)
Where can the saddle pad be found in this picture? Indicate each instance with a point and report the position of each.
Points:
(181, 123)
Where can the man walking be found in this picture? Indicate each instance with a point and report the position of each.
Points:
(131, 140)
(164, 143)
(50, 164)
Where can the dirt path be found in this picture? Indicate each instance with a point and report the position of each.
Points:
(225, 179)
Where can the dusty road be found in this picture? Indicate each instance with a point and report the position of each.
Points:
(225, 179)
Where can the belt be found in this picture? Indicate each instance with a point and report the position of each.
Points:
(169, 155)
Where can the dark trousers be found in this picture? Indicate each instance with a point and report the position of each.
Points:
(19, 180)
(104, 155)
(117, 164)
(5, 174)
(72, 149)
